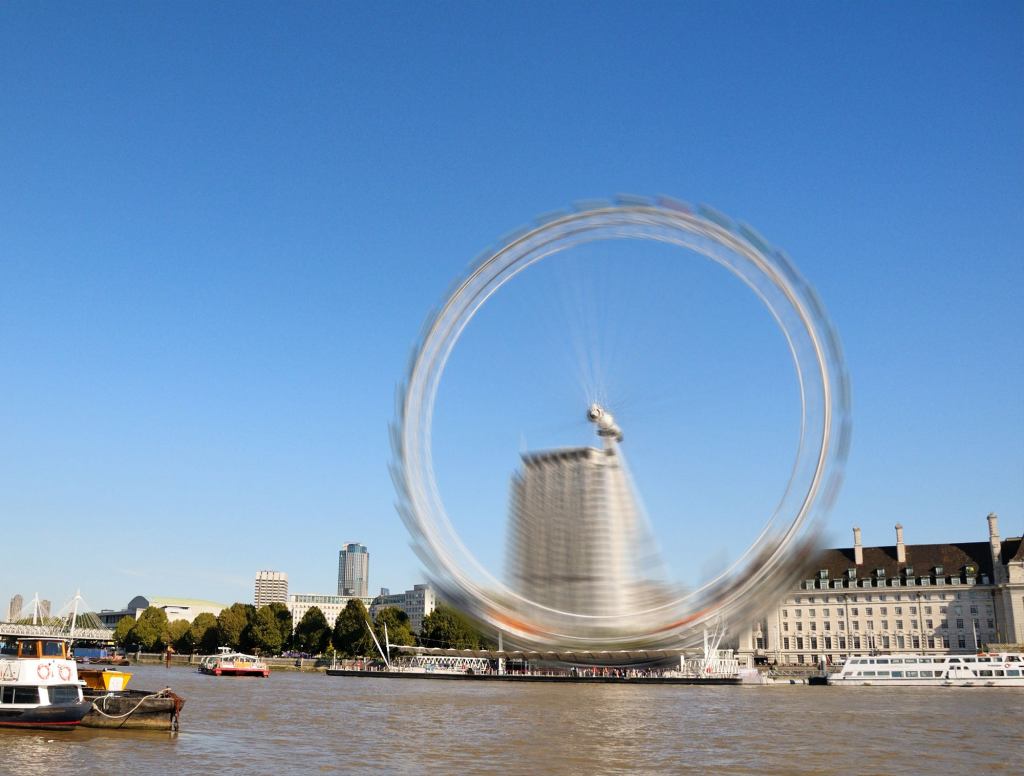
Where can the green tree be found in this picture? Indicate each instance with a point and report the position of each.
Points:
(399, 629)
(233, 625)
(123, 636)
(151, 630)
(351, 637)
(266, 633)
(204, 634)
(178, 635)
(448, 628)
(313, 634)
(284, 623)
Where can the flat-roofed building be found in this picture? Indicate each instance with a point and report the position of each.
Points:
(270, 587)
(329, 605)
(416, 603)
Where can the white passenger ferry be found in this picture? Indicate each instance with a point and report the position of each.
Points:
(39, 686)
(996, 669)
(228, 663)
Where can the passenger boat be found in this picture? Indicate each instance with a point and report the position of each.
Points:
(996, 669)
(39, 687)
(228, 663)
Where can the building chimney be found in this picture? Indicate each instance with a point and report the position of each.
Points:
(901, 548)
(858, 551)
(995, 547)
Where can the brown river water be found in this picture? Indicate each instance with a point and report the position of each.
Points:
(312, 723)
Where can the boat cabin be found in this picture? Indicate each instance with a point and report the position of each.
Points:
(39, 648)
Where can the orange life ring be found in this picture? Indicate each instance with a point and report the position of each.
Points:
(65, 673)
(44, 671)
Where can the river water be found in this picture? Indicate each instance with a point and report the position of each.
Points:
(312, 723)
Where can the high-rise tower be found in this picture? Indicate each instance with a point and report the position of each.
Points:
(354, 570)
(14, 612)
(271, 587)
(577, 541)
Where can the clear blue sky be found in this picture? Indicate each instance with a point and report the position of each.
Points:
(221, 228)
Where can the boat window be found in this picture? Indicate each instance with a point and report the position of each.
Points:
(998, 672)
(6, 693)
(912, 673)
(53, 649)
(954, 660)
(898, 660)
(26, 695)
(868, 673)
(985, 672)
(63, 693)
(1013, 672)
(897, 674)
(883, 660)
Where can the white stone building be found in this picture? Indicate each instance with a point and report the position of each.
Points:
(923, 598)
(330, 605)
(416, 603)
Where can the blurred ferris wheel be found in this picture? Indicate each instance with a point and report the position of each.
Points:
(545, 611)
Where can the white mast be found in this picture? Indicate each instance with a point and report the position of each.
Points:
(74, 614)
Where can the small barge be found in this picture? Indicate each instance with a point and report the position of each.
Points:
(115, 706)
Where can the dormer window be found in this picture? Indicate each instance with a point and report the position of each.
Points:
(939, 571)
(879, 573)
(908, 571)
(851, 573)
(823, 574)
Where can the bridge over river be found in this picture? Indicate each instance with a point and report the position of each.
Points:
(17, 630)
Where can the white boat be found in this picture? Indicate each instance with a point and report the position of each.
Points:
(39, 686)
(995, 669)
(228, 663)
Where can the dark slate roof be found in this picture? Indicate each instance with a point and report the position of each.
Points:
(922, 557)
(1013, 549)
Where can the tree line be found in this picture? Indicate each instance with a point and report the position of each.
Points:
(270, 630)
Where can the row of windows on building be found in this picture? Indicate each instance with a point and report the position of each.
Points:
(865, 642)
(869, 625)
(884, 610)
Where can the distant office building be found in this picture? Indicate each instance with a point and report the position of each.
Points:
(916, 598)
(416, 603)
(14, 612)
(329, 605)
(44, 609)
(354, 571)
(271, 587)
